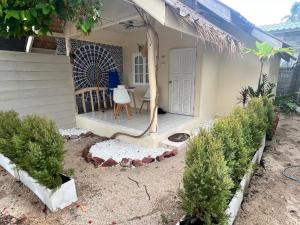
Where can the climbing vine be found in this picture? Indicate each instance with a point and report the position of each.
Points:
(19, 18)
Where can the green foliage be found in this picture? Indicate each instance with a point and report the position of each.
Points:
(10, 125)
(34, 145)
(244, 118)
(264, 51)
(270, 113)
(230, 132)
(19, 18)
(257, 115)
(217, 160)
(288, 103)
(206, 180)
(264, 88)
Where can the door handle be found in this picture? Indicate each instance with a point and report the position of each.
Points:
(170, 82)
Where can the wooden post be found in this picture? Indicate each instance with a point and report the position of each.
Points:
(68, 46)
(152, 53)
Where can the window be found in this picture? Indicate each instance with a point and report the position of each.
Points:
(140, 69)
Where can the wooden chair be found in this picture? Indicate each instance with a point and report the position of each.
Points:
(100, 92)
(146, 99)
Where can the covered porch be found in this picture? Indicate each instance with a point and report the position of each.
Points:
(170, 69)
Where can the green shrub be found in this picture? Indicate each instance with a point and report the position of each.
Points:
(229, 131)
(270, 114)
(10, 125)
(42, 148)
(206, 180)
(34, 145)
(259, 122)
(245, 121)
(287, 103)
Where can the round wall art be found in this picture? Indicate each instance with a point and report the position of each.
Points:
(92, 64)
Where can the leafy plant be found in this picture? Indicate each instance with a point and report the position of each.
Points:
(206, 180)
(259, 122)
(288, 103)
(34, 145)
(264, 88)
(270, 114)
(19, 18)
(10, 125)
(230, 132)
(243, 116)
(264, 51)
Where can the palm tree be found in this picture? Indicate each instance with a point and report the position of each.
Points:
(294, 15)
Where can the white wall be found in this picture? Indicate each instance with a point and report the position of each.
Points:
(38, 83)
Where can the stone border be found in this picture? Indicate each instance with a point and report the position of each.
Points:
(125, 162)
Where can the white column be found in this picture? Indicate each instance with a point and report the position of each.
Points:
(68, 46)
(152, 53)
(29, 44)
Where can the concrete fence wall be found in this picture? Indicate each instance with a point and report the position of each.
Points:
(38, 83)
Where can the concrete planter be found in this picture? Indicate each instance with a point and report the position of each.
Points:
(54, 199)
(236, 201)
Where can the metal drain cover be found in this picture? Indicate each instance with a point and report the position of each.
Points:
(179, 137)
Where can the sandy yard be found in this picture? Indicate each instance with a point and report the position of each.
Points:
(108, 196)
(273, 199)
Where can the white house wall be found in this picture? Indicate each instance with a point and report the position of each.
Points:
(37, 83)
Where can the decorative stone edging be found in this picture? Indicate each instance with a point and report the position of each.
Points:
(236, 201)
(125, 162)
(54, 199)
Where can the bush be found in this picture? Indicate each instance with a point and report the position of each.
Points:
(270, 114)
(217, 160)
(206, 180)
(229, 131)
(34, 145)
(10, 125)
(245, 121)
(258, 125)
(288, 103)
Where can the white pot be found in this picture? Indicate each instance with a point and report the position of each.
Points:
(236, 201)
(54, 199)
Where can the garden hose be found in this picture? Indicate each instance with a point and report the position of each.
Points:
(292, 176)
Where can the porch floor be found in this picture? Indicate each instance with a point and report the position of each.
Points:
(139, 121)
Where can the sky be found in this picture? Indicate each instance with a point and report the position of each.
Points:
(261, 12)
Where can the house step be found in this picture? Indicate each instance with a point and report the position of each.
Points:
(173, 145)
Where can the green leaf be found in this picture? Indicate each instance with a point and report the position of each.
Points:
(12, 13)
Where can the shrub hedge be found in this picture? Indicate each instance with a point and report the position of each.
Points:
(218, 159)
(34, 145)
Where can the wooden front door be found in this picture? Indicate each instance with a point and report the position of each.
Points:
(182, 81)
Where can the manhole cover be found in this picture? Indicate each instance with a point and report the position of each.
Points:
(179, 137)
(292, 172)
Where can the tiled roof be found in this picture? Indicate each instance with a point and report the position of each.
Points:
(281, 26)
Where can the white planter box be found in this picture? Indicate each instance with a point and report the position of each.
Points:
(54, 199)
(236, 201)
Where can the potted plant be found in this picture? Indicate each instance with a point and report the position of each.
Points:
(32, 151)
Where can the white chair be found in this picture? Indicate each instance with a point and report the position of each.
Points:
(121, 100)
(146, 99)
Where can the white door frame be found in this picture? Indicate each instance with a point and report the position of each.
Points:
(194, 51)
